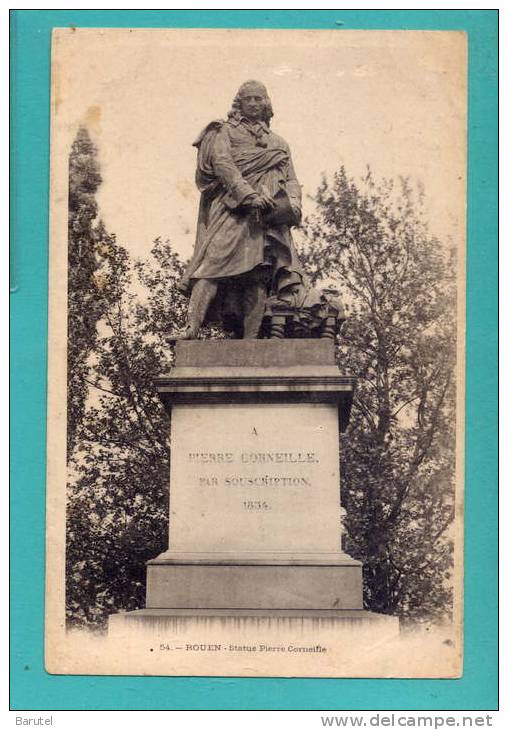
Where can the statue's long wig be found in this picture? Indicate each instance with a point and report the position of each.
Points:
(235, 111)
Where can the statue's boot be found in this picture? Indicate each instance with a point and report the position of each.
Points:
(254, 300)
(203, 293)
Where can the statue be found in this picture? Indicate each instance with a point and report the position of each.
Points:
(250, 198)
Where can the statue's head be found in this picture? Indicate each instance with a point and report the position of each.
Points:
(252, 101)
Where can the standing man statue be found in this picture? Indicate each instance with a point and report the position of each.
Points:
(250, 198)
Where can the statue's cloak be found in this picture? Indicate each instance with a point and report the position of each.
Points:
(231, 240)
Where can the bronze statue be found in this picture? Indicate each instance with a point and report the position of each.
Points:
(250, 198)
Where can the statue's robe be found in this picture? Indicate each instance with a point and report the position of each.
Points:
(237, 159)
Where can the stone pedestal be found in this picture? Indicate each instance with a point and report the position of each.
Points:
(254, 505)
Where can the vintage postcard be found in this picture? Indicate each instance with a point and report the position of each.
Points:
(256, 353)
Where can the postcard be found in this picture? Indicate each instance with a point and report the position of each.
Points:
(256, 353)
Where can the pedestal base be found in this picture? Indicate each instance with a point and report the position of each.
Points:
(255, 581)
(177, 621)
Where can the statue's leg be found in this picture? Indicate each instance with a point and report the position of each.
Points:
(254, 300)
(203, 293)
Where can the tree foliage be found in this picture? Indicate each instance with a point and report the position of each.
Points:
(117, 514)
(397, 457)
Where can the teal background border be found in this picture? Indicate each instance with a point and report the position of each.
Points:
(32, 688)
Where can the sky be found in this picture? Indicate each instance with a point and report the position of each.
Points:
(393, 100)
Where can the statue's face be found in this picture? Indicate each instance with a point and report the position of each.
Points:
(252, 105)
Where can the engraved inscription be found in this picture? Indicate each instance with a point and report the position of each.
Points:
(264, 481)
(256, 505)
(257, 475)
(254, 457)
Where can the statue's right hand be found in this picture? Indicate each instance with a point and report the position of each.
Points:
(262, 201)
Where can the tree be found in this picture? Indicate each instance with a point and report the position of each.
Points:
(397, 457)
(117, 515)
(83, 307)
(117, 429)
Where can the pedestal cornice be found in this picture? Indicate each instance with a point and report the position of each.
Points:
(257, 371)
